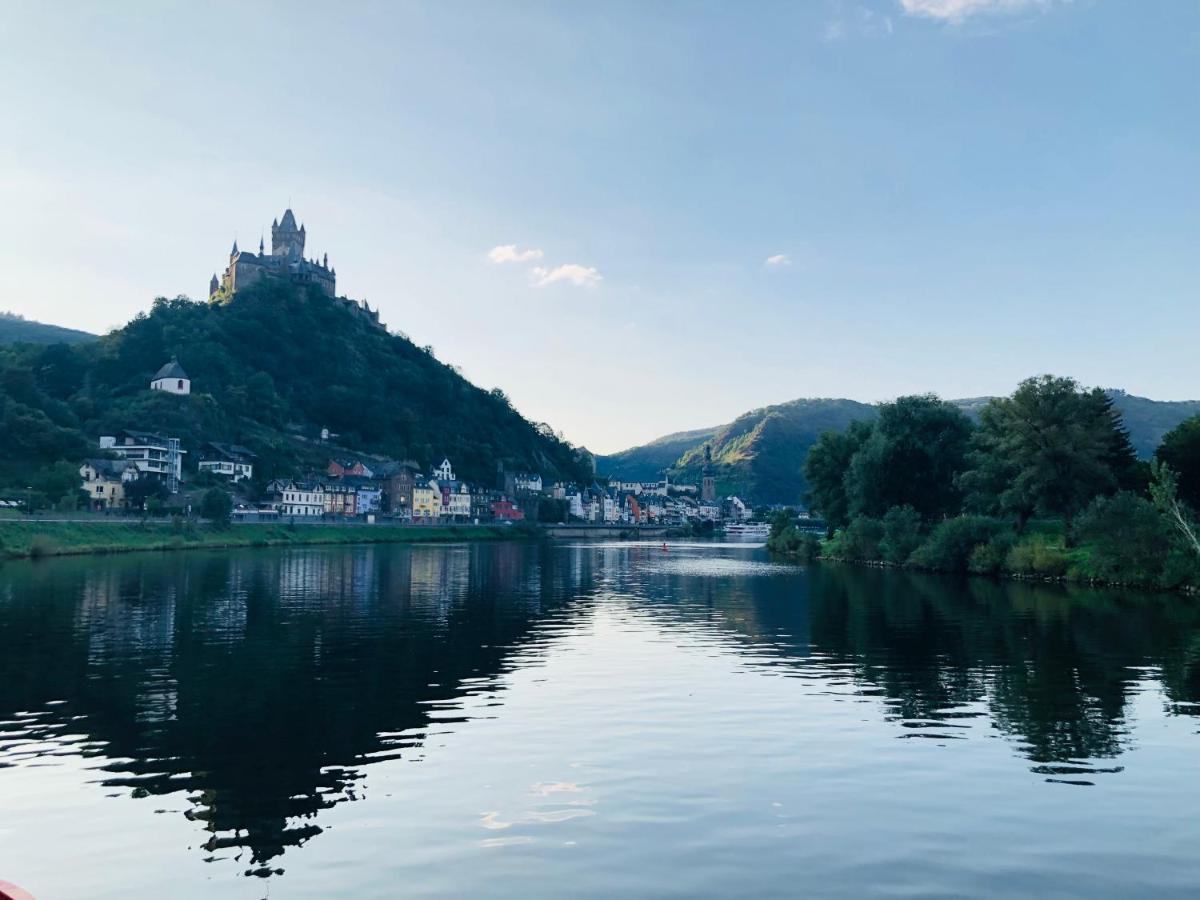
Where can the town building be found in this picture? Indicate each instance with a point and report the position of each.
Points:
(341, 498)
(708, 478)
(104, 482)
(444, 472)
(231, 461)
(507, 511)
(172, 379)
(426, 502)
(153, 454)
(298, 498)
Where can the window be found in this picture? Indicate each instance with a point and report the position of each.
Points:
(181, 384)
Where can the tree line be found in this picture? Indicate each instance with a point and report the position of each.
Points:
(1046, 484)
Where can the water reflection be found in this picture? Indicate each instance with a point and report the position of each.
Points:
(257, 689)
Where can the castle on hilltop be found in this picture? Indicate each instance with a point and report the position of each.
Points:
(286, 260)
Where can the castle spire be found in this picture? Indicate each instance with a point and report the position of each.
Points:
(325, 262)
(234, 251)
(260, 245)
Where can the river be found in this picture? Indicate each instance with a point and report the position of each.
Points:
(587, 720)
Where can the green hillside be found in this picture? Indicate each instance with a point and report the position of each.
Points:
(16, 329)
(647, 462)
(269, 369)
(759, 456)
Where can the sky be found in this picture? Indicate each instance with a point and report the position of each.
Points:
(638, 218)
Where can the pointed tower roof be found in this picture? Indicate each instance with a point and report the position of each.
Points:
(171, 370)
(288, 221)
(234, 251)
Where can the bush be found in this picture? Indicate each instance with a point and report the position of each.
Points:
(793, 543)
(991, 558)
(858, 541)
(949, 547)
(42, 546)
(1038, 554)
(1127, 538)
(217, 507)
(901, 534)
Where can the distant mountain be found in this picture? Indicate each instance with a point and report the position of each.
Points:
(759, 456)
(16, 329)
(648, 461)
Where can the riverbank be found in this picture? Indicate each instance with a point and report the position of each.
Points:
(962, 547)
(22, 539)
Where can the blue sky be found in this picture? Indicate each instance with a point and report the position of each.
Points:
(954, 194)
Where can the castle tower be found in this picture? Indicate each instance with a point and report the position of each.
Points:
(286, 238)
(213, 286)
(708, 481)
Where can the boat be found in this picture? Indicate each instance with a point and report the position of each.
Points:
(752, 531)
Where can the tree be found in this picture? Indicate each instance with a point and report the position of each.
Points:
(1049, 449)
(1180, 450)
(141, 493)
(217, 507)
(825, 470)
(913, 456)
(1164, 491)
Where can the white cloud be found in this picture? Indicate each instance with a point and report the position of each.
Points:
(779, 259)
(507, 253)
(580, 276)
(959, 10)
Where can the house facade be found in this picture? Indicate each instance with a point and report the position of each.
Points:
(230, 461)
(104, 481)
(172, 379)
(298, 498)
(153, 454)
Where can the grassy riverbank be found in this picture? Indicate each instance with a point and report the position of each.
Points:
(977, 545)
(34, 539)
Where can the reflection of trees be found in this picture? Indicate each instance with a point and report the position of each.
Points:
(1055, 666)
(263, 683)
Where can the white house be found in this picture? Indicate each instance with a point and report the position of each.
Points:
(231, 461)
(172, 379)
(460, 502)
(153, 454)
(300, 499)
(445, 472)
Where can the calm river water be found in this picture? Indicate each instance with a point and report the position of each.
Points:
(591, 720)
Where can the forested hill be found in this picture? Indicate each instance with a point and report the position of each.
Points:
(759, 456)
(269, 369)
(16, 329)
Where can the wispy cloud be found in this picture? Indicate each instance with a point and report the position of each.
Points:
(855, 20)
(956, 11)
(572, 273)
(507, 253)
(778, 260)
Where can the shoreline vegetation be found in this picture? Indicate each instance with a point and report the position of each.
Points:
(36, 540)
(1046, 487)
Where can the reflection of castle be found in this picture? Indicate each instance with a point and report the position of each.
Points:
(285, 261)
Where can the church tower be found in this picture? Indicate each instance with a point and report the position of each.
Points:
(286, 238)
(708, 481)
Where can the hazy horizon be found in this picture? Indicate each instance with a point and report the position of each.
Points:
(639, 220)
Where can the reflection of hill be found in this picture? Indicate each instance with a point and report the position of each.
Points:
(1055, 667)
(262, 683)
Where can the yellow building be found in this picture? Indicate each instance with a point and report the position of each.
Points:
(427, 502)
(104, 482)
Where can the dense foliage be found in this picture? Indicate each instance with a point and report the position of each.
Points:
(270, 370)
(922, 487)
(1181, 451)
(761, 455)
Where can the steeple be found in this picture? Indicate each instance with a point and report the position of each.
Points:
(325, 262)
(260, 245)
(234, 251)
(286, 238)
(214, 285)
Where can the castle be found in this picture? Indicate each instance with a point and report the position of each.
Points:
(286, 260)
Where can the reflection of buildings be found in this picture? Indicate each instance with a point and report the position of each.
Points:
(262, 683)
